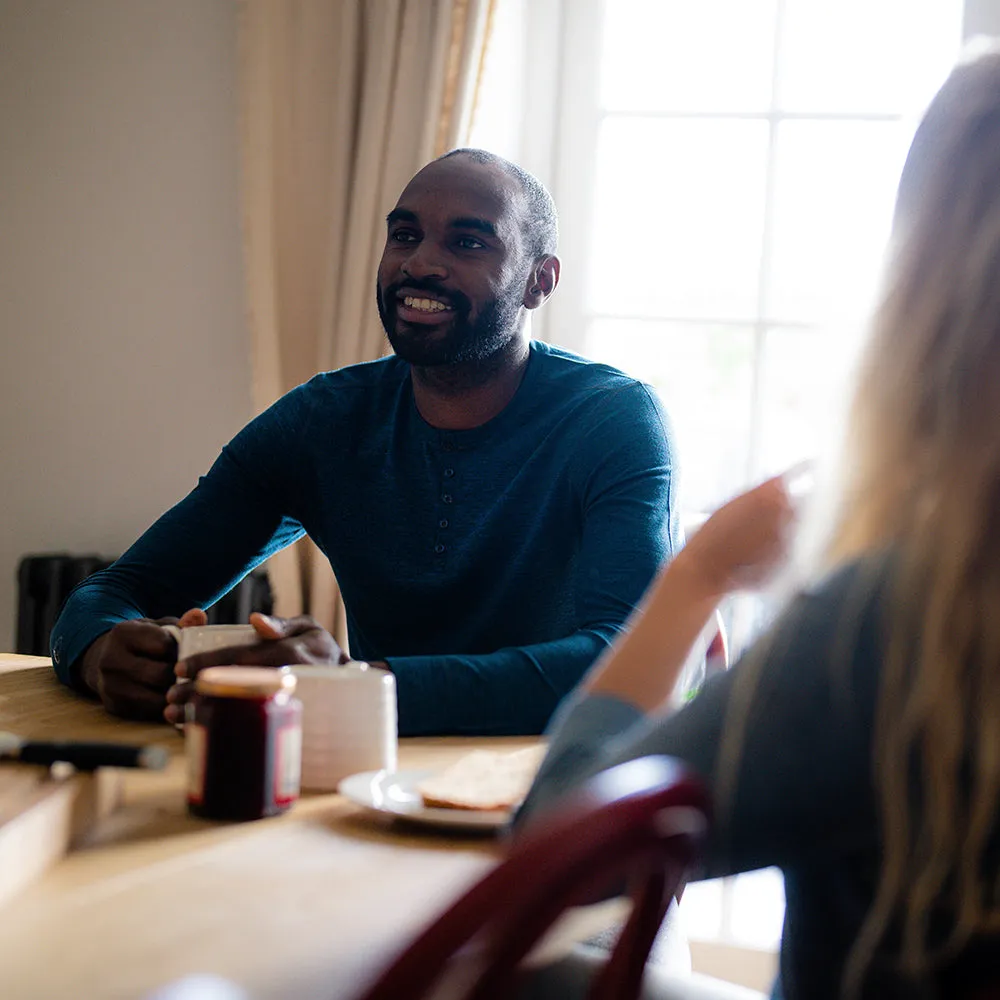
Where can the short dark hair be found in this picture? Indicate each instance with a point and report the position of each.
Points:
(540, 222)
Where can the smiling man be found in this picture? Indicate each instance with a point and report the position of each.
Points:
(493, 508)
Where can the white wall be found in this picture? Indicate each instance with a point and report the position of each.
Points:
(122, 333)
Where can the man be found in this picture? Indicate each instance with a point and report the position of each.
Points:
(493, 508)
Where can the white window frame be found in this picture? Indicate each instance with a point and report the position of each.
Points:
(555, 102)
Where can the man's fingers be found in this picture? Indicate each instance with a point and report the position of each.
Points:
(273, 627)
(122, 671)
(193, 618)
(181, 693)
(125, 696)
(145, 638)
(177, 697)
(265, 654)
(155, 675)
(268, 626)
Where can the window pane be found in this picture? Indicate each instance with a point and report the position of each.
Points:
(703, 375)
(675, 55)
(500, 96)
(835, 184)
(701, 909)
(758, 908)
(678, 218)
(866, 56)
(803, 381)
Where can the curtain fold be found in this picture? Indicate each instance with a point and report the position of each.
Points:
(341, 102)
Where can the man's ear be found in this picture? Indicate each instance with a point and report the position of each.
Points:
(542, 281)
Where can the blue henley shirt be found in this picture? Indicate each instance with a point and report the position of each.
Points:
(488, 567)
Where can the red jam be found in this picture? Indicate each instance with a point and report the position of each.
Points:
(243, 741)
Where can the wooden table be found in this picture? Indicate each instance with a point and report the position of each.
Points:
(305, 905)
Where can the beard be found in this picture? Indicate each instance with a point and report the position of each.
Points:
(463, 340)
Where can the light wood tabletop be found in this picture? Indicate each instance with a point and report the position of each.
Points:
(309, 904)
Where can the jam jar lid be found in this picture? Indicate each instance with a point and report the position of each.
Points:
(244, 682)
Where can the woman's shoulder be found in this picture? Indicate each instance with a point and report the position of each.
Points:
(830, 637)
(857, 589)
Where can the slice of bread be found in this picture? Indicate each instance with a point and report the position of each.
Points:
(486, 780)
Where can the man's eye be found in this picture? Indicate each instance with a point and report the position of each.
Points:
(469, 243)
(403, 236)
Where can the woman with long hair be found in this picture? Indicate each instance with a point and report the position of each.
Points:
(857, 744)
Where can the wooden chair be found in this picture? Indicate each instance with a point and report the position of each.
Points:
(636, 826)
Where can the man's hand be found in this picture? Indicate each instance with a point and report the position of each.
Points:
(131, 667)
(283, 641)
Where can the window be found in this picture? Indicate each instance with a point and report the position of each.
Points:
(725, 173)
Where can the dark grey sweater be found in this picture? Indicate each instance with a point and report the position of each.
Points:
(804, 797)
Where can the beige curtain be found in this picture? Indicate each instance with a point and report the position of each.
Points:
(342, 101)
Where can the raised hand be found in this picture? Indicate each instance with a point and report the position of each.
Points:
(738, 547)
(741, 545)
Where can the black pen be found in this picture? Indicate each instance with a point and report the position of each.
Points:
(83, 755)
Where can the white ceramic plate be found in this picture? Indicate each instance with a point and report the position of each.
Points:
(395, 794)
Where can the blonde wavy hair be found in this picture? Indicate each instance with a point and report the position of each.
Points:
(921, 477)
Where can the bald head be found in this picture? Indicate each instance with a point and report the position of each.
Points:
(537, 215)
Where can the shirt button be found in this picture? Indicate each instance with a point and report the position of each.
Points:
(446, 497)
(443, 523)
(439, 548)
(448, 473)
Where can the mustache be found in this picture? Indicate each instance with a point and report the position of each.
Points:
(455, 299)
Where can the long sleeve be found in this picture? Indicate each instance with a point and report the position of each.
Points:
(237, 515)
(488, 566)
(624, 472)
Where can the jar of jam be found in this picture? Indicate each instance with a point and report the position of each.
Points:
(243, 738)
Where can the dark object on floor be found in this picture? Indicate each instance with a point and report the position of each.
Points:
(44, 582)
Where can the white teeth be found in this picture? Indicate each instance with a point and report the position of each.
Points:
(424, 305)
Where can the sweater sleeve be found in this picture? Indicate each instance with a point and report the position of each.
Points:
(624, 471)
(242, 511)
(783, 739)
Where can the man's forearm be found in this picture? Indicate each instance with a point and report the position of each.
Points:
(511, 692)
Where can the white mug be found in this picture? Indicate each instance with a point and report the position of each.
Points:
(348, 722)
(208, 638)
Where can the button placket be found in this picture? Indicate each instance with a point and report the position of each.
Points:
(447, 495)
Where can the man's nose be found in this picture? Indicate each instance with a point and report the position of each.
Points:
(426, 261)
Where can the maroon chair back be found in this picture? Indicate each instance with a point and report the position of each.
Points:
(635, 827)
